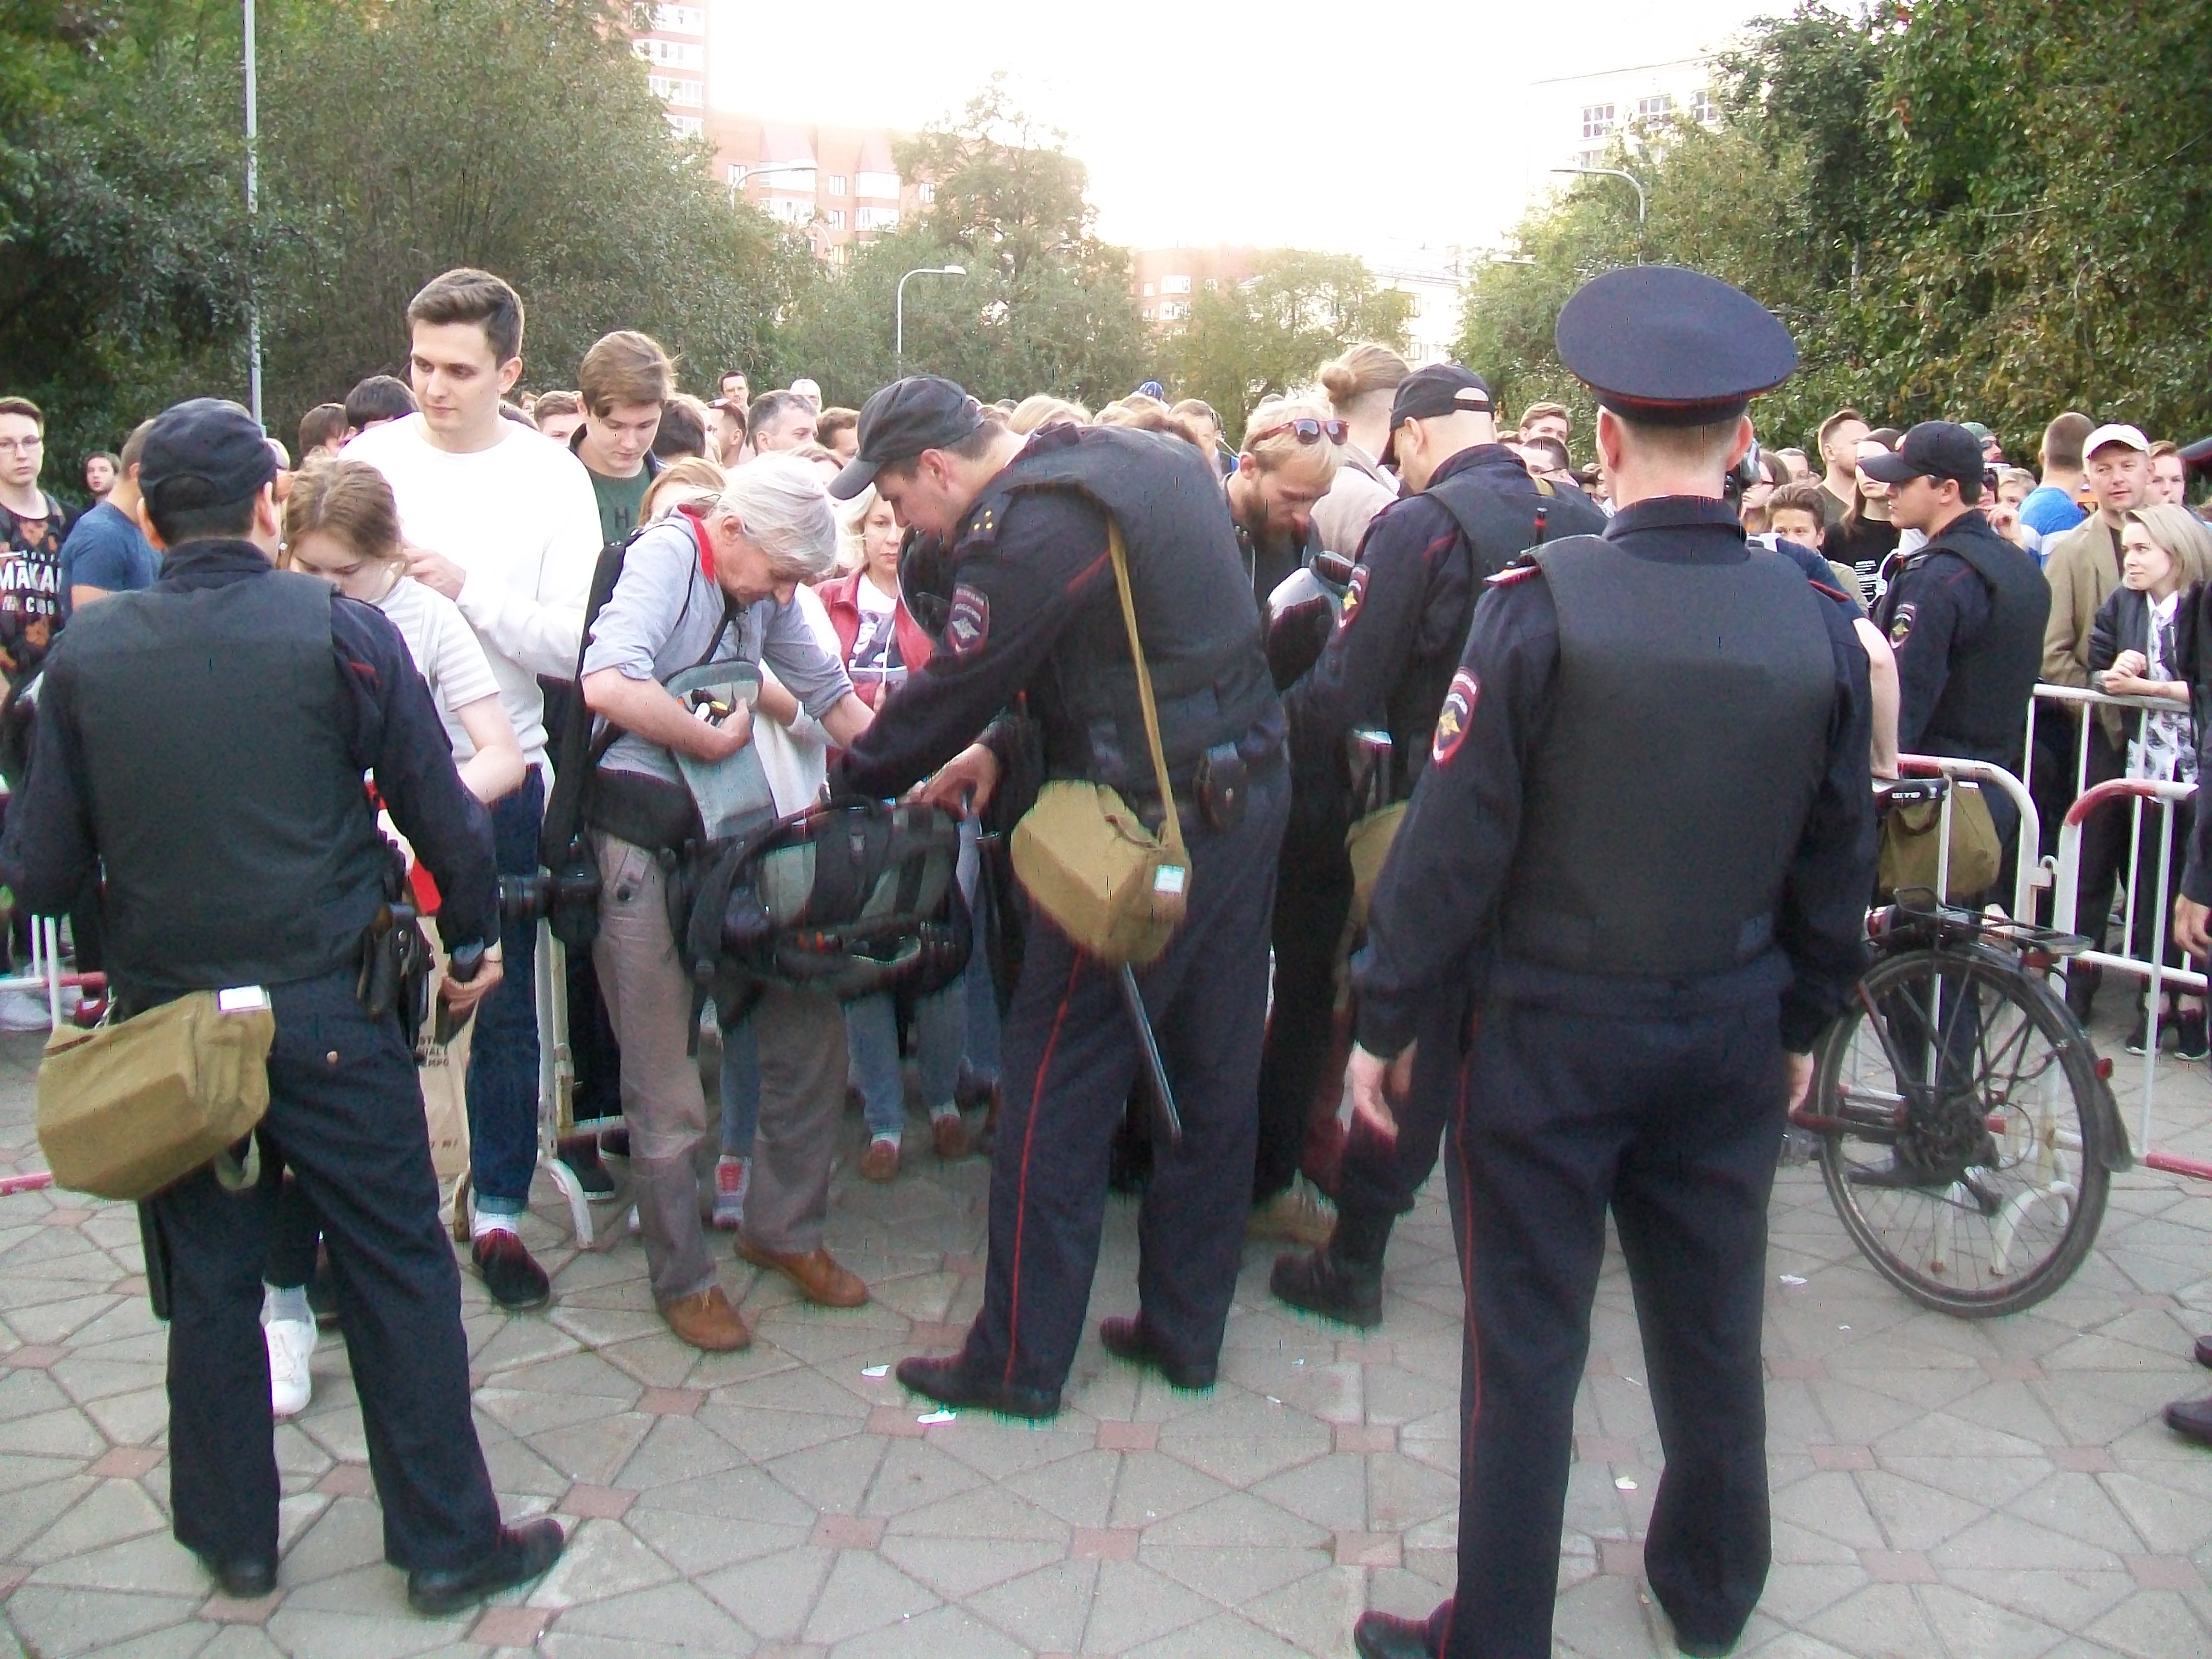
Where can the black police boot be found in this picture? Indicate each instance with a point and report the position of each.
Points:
(2191, 1419)
(2204, 1350)
(950, 1382)
(1386, 1636)
(519, 1555)
(248, 1578)
(1343, 1279)
(1132, 1339)
(510, 1273)
(581, 1154)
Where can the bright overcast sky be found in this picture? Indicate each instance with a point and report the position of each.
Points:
(1294, 123)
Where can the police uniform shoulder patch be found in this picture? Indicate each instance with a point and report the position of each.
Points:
(1456, 715)
(982, 526)
(968, 623)
(1900, 624)
(1355, 592)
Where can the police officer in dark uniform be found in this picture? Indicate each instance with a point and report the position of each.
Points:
(202, 745)
(1030, 613)
(1403, 625)
(1647, 819)
(1964, 614)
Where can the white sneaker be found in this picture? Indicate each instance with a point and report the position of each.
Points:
(291, 1344)
(22, 1011)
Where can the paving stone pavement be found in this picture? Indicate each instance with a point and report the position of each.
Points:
(1999, 1490)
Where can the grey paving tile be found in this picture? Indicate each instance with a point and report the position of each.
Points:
(1133, 1605)
(772, 1595)
(863, 1592)
(605, 1558)
(1045, 1610)
(669, 1617)
(61, 1622)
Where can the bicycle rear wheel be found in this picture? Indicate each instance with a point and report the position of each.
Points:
(1963, 1132)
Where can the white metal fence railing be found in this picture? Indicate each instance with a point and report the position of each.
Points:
(2133, 955)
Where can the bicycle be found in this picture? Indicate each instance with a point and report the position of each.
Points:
(1966, 1130)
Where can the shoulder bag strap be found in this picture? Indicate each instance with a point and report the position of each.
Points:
(1171, 826)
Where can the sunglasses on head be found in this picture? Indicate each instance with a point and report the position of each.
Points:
(1307, 430)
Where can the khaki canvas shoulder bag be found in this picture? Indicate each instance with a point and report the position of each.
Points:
(129, 1108)
(1087, 860)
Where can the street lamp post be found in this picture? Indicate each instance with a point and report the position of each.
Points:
(898, 308)
(1634, 183)
(253, 209)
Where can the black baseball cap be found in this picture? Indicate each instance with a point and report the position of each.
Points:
(1934, 449)
(1438, 389)
(1667, 346)
(207, 452)
(919, 412)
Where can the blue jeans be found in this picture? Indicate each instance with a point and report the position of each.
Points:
(871, 1046)
(741, 1088)
(502, 1088)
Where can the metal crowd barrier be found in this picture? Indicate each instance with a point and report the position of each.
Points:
(2135, 958)
(2031, 872)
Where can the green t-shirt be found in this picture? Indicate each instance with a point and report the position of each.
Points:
(620, 500)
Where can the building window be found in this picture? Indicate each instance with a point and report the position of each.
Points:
(1588, 158)
(883, 186)
(837, 216)
(1213, 285)
(1151, 288)
(672, 54)
(837, 183)
(1655, 108)
(875, 218)
(1703, 109)
(789, 209)
(925, 194)
(1597, 120)
(680, 20)
(1175, 284)
(683, 94)
(687, 126)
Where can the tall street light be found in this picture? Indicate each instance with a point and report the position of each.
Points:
(1634, 183)
(898, 308)
(252, 208)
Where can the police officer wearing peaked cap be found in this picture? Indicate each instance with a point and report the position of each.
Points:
(202, 744)
(1032, 617)
(1422, 566)
(1647, 817)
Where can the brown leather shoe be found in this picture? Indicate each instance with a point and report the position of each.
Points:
(948, 1134)
(816, 1273)
(881, 1161)
(708, 1320)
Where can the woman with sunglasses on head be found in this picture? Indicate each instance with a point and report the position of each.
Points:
(1473, 508)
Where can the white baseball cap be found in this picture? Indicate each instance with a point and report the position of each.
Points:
(2115, 433)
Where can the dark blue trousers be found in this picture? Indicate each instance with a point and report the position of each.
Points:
(1382, 1178)
(345, 1114)
(1670, 1111)
(1068, 1058)
(502, 1082)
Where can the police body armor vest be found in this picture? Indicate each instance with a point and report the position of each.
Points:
(237, 840)
(1196, 611)
(1689, 735)
(1496, 528)
(1982, 715)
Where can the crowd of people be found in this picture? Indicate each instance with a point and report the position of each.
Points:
(918, 596)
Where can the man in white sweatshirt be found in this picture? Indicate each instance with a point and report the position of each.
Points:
(502, 522)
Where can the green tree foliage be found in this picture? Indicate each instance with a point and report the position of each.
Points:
(1045, 305)
(1248, 341)
(1987, 209)
(399, 138)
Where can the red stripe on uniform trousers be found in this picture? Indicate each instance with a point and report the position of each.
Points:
(1022, 1186)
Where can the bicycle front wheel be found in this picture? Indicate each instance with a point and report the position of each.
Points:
(1963, 1137)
